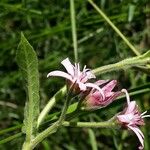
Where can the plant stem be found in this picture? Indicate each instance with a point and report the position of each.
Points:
(10, 138)
(114, 27)
(73, 26)
(26, 145)
(50, 105)
(10, 129)
(55, 125)
(130, 62)
(105, 124)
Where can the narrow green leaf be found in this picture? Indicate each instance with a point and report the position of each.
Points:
(4, 131)
(28, 64)
(131, 12)
(92, 139)
(10, 138)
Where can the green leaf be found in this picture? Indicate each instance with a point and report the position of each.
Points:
(92, 139)
(10, 138)
(131, 12)
(28, 64)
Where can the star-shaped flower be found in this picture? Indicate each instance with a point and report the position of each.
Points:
(131, 118)
(75, 76)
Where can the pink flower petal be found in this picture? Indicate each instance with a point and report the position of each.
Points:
(139, 134)
(124, 118)
(90, 75)
(114, 95)
(82, 86)
(109, 86)
(78, 68)
(131, 107)
(60, 74)
(100, 82)
(96, 87)
(127, 95)
(69, 67)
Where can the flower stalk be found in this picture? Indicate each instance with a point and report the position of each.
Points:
(105, 124)
(50, 105)
(126, 63)
(57, 124)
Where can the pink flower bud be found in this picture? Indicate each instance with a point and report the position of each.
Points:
(94, 99)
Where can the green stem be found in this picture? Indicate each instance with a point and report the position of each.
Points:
(26, 145)
(105, 124)
(10, 129)
(44, 134)
(114, 27)
(53, 128)
(50, 105)
(121, 65)
(10, 138)
(73, 26)
(55, 125)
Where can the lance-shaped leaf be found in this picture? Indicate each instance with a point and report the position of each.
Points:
(28, 64)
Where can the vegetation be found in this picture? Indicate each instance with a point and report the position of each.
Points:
(87, 36)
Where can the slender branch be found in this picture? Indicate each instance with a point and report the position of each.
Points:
(121, 65)
(114, 27)
(4, 131)
(105, 124)
(53, 128)
(10, 138)
(50, 105)
(73, 26)
(55, 125)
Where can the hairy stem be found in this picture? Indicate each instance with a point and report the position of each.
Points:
(51, 103)
(55, 125)
(105, 124)
(121, 65)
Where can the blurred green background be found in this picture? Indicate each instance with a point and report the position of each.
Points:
(47, 26)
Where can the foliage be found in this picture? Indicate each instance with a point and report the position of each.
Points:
(47, 26)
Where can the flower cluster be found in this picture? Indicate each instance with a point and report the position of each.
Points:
(100, 94)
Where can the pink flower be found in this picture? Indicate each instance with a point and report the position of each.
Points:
(75, 76)
(95, 100)
(131, 118)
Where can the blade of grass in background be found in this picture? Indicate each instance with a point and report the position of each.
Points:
(92, 139)
(114, 27)
(73, 27)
